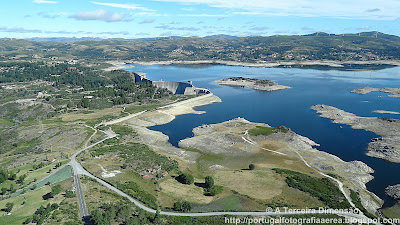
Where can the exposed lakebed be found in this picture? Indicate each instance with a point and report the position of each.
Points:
(291, 107)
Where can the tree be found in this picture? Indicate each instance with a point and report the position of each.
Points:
(4, 190)
(185, 178)
(156, 219)
(56, 189)
(9, 206)
(252, 167)
(182, 206)
(21, 179)
(28, 220)
(69, 194)
(178, 206)
(186, 206)
(209, 181)
(211, 191)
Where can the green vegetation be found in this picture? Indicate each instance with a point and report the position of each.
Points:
(210, 189)
(355, 198)
(122, 130)
(259, 130)
(182, 206)
(58, 176)
(134, 190)
(321, 46)
(55, 190)
(42, 214)
(109, 213)
(6, 122)
(123, 213)
(69, 194)
(322, 188)
(213, 190)
(209, 181)
(9, 207)
(138, 157)
(252, 167)
(185, 178)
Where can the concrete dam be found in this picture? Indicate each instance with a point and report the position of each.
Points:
(180, 88)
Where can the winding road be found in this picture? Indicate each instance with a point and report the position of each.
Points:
(79, 170)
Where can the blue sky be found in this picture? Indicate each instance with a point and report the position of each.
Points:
(154, 18)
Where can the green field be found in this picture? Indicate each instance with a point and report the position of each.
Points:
(58, 176)
(259, 130)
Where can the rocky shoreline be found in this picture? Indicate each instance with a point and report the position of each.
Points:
(330, 63)
(226, 139)
(393, 92)
(386, 112)
(394, 192)
(255, 84)
(385, 147)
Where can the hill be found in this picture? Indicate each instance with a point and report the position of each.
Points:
(366, 46)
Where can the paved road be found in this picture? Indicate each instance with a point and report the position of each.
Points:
(81, 199)
(78, 169)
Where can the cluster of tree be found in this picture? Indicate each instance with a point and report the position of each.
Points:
(11, 189)
(122, 213)
(41, 214)
(6, 175)
(115, 86)
(38, 166)
(60, 74)
(185, 178)
(137, 156)
(182, 206)
(322, 188)
(134, 190)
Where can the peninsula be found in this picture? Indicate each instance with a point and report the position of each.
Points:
(256, 84)
(384, 147)
(393, 92)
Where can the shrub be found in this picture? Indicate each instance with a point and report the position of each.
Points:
(69, 194)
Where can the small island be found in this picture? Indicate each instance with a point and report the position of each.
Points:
(256, 84)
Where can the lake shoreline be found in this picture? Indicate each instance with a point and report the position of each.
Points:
(329, 63)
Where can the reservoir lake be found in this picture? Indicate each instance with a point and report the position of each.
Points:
(291, 107)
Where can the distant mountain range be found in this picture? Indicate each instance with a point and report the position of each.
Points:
(375, 34)
(364, 46)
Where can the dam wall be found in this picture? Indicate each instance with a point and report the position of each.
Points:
(180, 88)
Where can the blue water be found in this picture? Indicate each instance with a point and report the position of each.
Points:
(291, 107)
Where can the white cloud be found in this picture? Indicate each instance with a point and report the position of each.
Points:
(122, 6)
(202, 15)
(147, 21)
(44, 2)
(360, 9)
(100, 14)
